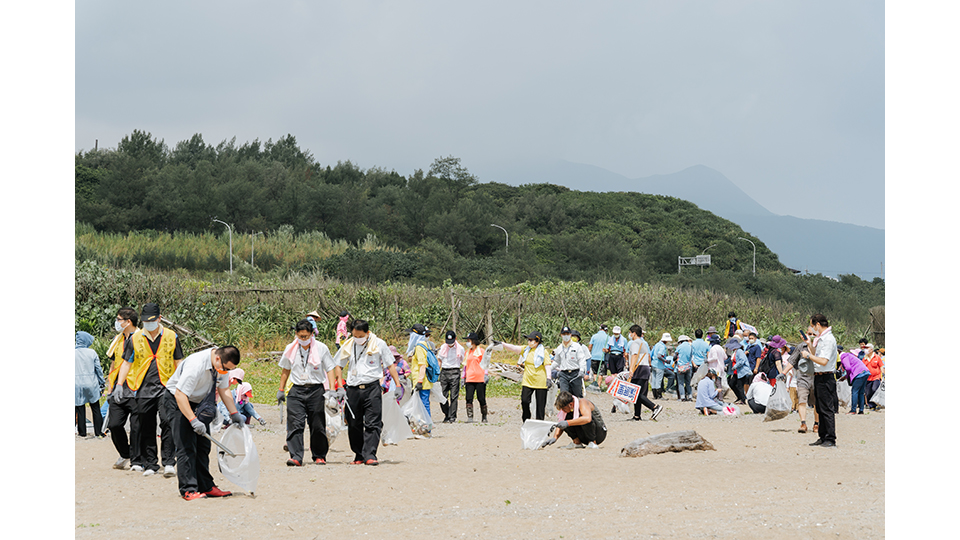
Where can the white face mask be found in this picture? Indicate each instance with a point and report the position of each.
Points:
(118, 326)
(532, 344)
(360, 340)
(566, 338)
(304, 342)
(151, 326)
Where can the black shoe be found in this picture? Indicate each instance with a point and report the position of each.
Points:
(656, 412)
(829, 444)
(613, 410)
(636, 418)
(818, 442)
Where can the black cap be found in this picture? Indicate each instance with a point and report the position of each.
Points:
(536, 336)
(575, 333)
(150, 312)
(426, 331)
(344, 313)
(472, 336)
(566, 330)
(603, 326)
(451, 337)
(418, 328)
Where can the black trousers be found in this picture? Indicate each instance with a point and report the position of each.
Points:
(147, 410)
(756, 407)
(643, 379)
(526, 395)
(193, 451)
(825, 391)
(118, 413)
(736, 384)
(587, 433)
(450, 387)
(481, 390)
(81, 417)
(570, 381)
(615, 363)
(305, 408)
(364, 428)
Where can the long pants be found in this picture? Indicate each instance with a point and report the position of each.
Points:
(193, 451)
(656, 380)
(615, 363)
(480, 388)
(425, 399)
(526, 395)
(825, 390)
(119, 412)
(643, 380)
(246, 409)
(683, 384)
(857, 397)
(81, 418)
(669, 380)
(570, 381)
(736, 384)
(305, 407)
(756, 407)
(587, 433)
(450, 387)
(147, 410)
(871, 389)
(364, 428)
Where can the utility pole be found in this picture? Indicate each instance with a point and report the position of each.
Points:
(507, 249)
(754, 254)
(230, 230)
(704, 252)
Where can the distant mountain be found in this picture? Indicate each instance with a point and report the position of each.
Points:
(842, 248)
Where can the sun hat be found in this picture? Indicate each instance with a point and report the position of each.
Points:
(682, 338)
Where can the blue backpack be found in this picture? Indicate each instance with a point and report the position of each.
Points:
(433, 367)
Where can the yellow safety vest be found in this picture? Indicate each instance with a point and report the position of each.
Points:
(115, 351)
(142, 355)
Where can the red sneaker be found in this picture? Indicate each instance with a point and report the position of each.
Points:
(293, 463)
(191, 495)
(320, 461)
(371, 462)
(357, 462)
(217, 492)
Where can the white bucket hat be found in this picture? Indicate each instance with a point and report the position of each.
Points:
(616, 329)
(666, 337)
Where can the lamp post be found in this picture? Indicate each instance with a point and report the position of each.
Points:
(252, 237)
(704, 252)
(507, 249)
(230, 230)
(754, 254)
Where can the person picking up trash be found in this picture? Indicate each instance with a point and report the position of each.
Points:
(580, 419)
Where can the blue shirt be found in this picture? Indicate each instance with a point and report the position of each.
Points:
(707, 394)
(753, 352)
(741, 365)
(658, 355)
(684, 353)
(700, 348)
(617, 346)
(597, 343)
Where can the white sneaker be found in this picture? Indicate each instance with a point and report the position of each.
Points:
(149, 472)
(136, 468)
(121, 464)
(573, 446)
(656, 412)
(169, 471)
(592, 445)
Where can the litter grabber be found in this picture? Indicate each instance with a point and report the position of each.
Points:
(222, 447)
(243, 466)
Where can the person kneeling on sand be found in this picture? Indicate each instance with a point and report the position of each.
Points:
(580, 419)
(708, 397)
(759, 393)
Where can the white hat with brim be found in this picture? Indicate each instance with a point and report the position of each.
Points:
(666, 337)
(683, 337)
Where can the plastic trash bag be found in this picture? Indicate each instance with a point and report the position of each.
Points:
(533, 433)
(217, 425)
(731, 410)
(843, 393)
(244, 469)
(779, 404)
(334, 425)
(395, 425)
(437, 393)
(697, 376)
(878, 396)
(551, 397)
(416, 414)
(621, 406)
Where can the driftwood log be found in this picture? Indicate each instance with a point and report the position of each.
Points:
(675, 441)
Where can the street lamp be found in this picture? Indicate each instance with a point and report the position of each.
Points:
(252, 236)
(506, 233)
(230, 230)
(754, 254)
(704, 252)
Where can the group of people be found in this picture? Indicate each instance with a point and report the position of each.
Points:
(150, 378)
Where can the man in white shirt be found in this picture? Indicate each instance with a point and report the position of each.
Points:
(190, 403)
(824, 380)
(364, 356)
(571, 359)
(450, 356)
(308, 363)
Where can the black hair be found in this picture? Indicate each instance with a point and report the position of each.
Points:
(818, 318)
(130, 314)
(229, 355)
(698, 333)
(360, 325)
(564, 398)
(304, 324)
(731, 314)
(636, 330)
(863, 340)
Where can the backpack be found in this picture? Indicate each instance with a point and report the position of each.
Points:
(767, 363)
(433, 367)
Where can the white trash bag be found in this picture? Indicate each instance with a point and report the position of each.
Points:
(335, 425)
(622, 406)
(533, 433)
(878, 397)
(843, 393)
(243, 469)
(437, 393)
(416, 414)
(779, 403)
(395, 425)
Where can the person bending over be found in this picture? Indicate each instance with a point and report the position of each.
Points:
(580, 419)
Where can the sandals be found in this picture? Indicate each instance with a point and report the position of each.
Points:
(803, 427)
(816, 425)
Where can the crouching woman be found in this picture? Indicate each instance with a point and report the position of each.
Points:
(580, 419)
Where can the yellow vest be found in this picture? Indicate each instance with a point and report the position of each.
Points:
(115, 351)
(142, 355)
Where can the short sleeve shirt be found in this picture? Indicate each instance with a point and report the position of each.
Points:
(195, 377)
(302, 371)
(366, 367)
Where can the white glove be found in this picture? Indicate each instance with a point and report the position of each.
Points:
(497, 346)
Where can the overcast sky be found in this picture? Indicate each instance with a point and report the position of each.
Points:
(784, 98)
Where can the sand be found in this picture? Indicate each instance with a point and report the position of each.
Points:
(474, 481)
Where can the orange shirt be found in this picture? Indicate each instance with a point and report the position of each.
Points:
(874, 363)
(474, 373)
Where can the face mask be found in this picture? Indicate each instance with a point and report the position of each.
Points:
(576, 340)
(304, 342)
(360, 340)
(118, 326)
(151, 326)
(566, 338)
(733, 319)
(532, 344)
